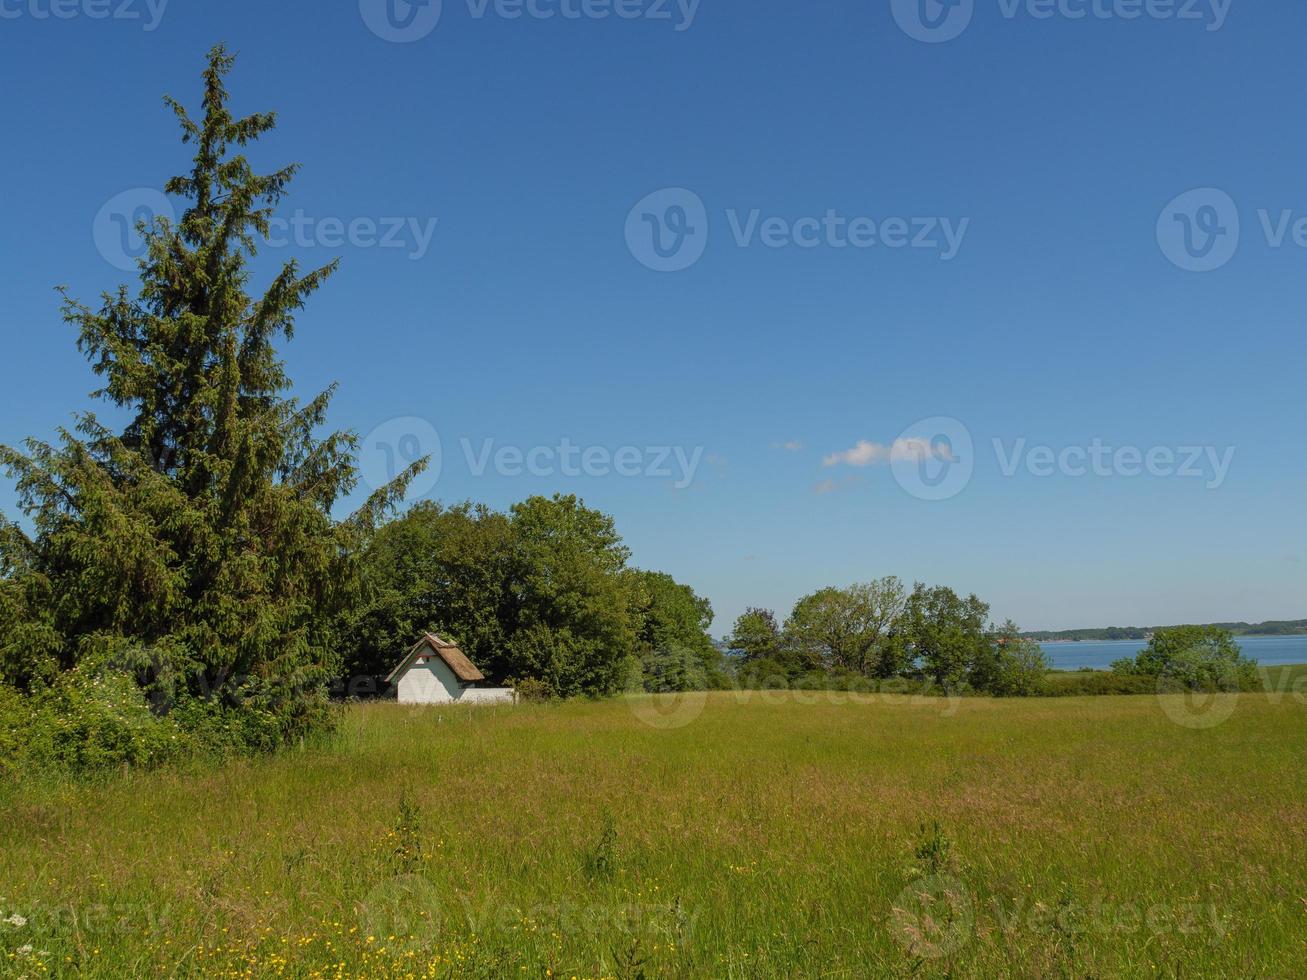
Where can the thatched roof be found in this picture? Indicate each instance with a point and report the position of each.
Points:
(455, 658)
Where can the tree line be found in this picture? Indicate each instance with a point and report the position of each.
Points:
(542, 595)
(883, 630)
(1274, 627)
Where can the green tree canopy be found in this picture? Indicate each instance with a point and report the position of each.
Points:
(1197, 657)
(755, 636)
(673, 644)
(1016, 666)
(947, 635)
(578, 615)
(449, 570)
(878, 630)
(541, 592)
(851, 629)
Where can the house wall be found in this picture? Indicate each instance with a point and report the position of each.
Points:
(434, 683)
(487, 695)
(429, 683)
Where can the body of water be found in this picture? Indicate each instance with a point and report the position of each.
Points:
(1269, 650)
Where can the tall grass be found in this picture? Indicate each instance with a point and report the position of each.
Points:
(775, 834)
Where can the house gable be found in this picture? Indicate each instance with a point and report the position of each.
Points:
(429, 680)
(435, 671)
(432, 647)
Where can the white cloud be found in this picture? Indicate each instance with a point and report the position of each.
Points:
(791, 446)
(833, 486)
(869, 453)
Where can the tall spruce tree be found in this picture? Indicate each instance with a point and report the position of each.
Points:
(195, 550)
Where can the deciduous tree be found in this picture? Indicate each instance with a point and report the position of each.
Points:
(852, 629)
(947, 634)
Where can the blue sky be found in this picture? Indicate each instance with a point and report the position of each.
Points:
(1065, 314)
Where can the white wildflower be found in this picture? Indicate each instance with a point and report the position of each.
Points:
(15, 920)
(25, 950)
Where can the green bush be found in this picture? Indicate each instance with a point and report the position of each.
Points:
(14, 716)
(673, 668)
(531, 690)
(1205, 658)
(764, 674)
(88, 721)
(1020, 667)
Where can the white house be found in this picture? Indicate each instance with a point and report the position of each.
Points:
(436, 671)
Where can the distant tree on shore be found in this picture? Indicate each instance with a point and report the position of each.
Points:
(1194, 657)
(1275, 627)
(877, 631)
(1014, 667)
(947, 635)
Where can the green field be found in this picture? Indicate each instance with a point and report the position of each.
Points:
(770, 835)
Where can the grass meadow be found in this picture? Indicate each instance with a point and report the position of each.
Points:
(731, 835)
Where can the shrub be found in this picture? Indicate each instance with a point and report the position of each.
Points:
(85, 722)
(531, 690)
(764, 674)
(673, 668)
(1193, 658)
(1019, 670)
(15, 714)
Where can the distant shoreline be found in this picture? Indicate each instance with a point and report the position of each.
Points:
(1106, 634)
(1133, 639)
